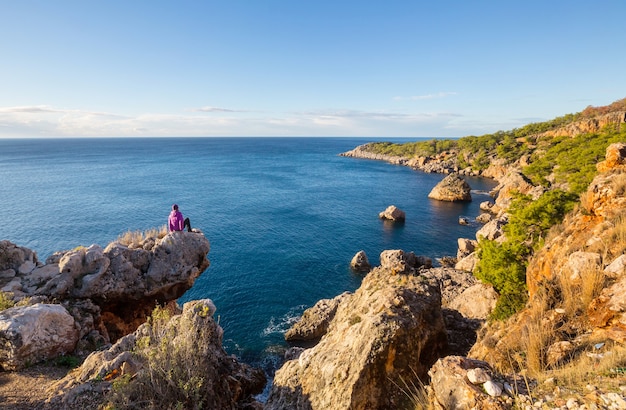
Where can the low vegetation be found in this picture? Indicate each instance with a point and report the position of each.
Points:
(131, 237)
(172, 377)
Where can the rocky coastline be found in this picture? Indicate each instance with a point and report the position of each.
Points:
(408, 323)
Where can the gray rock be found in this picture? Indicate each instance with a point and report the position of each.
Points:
(452, 188)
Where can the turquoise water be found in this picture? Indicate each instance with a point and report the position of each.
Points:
(284, 215)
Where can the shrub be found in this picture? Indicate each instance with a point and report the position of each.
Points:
(129, 237)
(6, 300)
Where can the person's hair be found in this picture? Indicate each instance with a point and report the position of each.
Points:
(175, 207)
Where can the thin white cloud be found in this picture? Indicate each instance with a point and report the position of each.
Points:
(214, 109)
(39, 121)
(425, 97)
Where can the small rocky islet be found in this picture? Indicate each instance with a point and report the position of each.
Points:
(408, 322)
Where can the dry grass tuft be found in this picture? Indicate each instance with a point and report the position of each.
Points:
(136, 237)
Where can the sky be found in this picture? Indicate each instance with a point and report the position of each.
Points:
(390, 68)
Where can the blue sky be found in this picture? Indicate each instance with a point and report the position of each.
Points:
(304, 68)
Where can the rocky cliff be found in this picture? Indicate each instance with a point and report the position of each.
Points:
(90, 296)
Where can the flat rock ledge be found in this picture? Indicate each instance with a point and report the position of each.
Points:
(452, 188)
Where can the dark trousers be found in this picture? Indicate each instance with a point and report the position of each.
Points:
(187, 224)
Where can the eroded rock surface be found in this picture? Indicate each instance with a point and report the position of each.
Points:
(452, 188)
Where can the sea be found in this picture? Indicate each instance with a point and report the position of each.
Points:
(284, 216)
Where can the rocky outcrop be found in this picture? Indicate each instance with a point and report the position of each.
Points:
(392, 213)
(589, 125)
(193, 342)
(615, 158)
(108, 292)
(29, 334)
(452, 188)
(360, 262)
(390, 329)
(315, 320)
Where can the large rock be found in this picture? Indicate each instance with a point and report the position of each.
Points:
(392, 213)
(390, 330)
(193, 359)
(29, 334)
(452, 188)
(108, 291)
(360, 263)
(615, 158)
(462, 383)
(315, 320)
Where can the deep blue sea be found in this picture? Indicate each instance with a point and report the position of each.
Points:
(284, 215)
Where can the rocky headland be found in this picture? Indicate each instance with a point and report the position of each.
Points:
(412, 336)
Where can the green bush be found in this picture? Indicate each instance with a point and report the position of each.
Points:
(6, 301)
(503, 265)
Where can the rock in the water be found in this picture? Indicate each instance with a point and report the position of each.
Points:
(29, 334)
(389, 330)
(392, 213)
(360, 263)
(452, 188)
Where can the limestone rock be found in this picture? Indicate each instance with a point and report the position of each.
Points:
(391, 329)
(493, 230)
(451, 388)
(397, 261)
(315, 321)
(360, 263)
(465, 247)
(452, 188)
(484, 218)
(227, 384)
(29, 334)
(392, 213)
(467, 263)
(607, 312)
(579, 262)
(615, 158)
(476, 302)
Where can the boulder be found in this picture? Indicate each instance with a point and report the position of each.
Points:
(29, 334)
(493, 230)
(607, 312)
(465, 247)
(467, 263)
(392, 214)
(390, 330)
(195, 353)
(615, 158)
(397, 261)
(484, 218)
(451, 386)
(360, 263)
(315, 320)
(452, 188)
(475, 302)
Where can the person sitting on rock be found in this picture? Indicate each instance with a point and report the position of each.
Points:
(176, 222)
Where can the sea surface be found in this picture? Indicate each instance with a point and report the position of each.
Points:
(284, 216)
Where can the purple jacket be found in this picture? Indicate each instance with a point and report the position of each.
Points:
(176, 221)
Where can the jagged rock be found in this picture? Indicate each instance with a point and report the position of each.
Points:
(393, 214)
(464, 221)
(227, 384)
(617, 267)
(465, 247)
(484, 218)
(360, 263)
(390, 330)
(452, 188)
(615, 158)
(579, 262)
(397, 261)
(476, 302)
(468, 263)
(607, 312)
(451, 389)
(512, 183)
(315, 320)
(109, 292)
(29, 334)
(493, 230)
